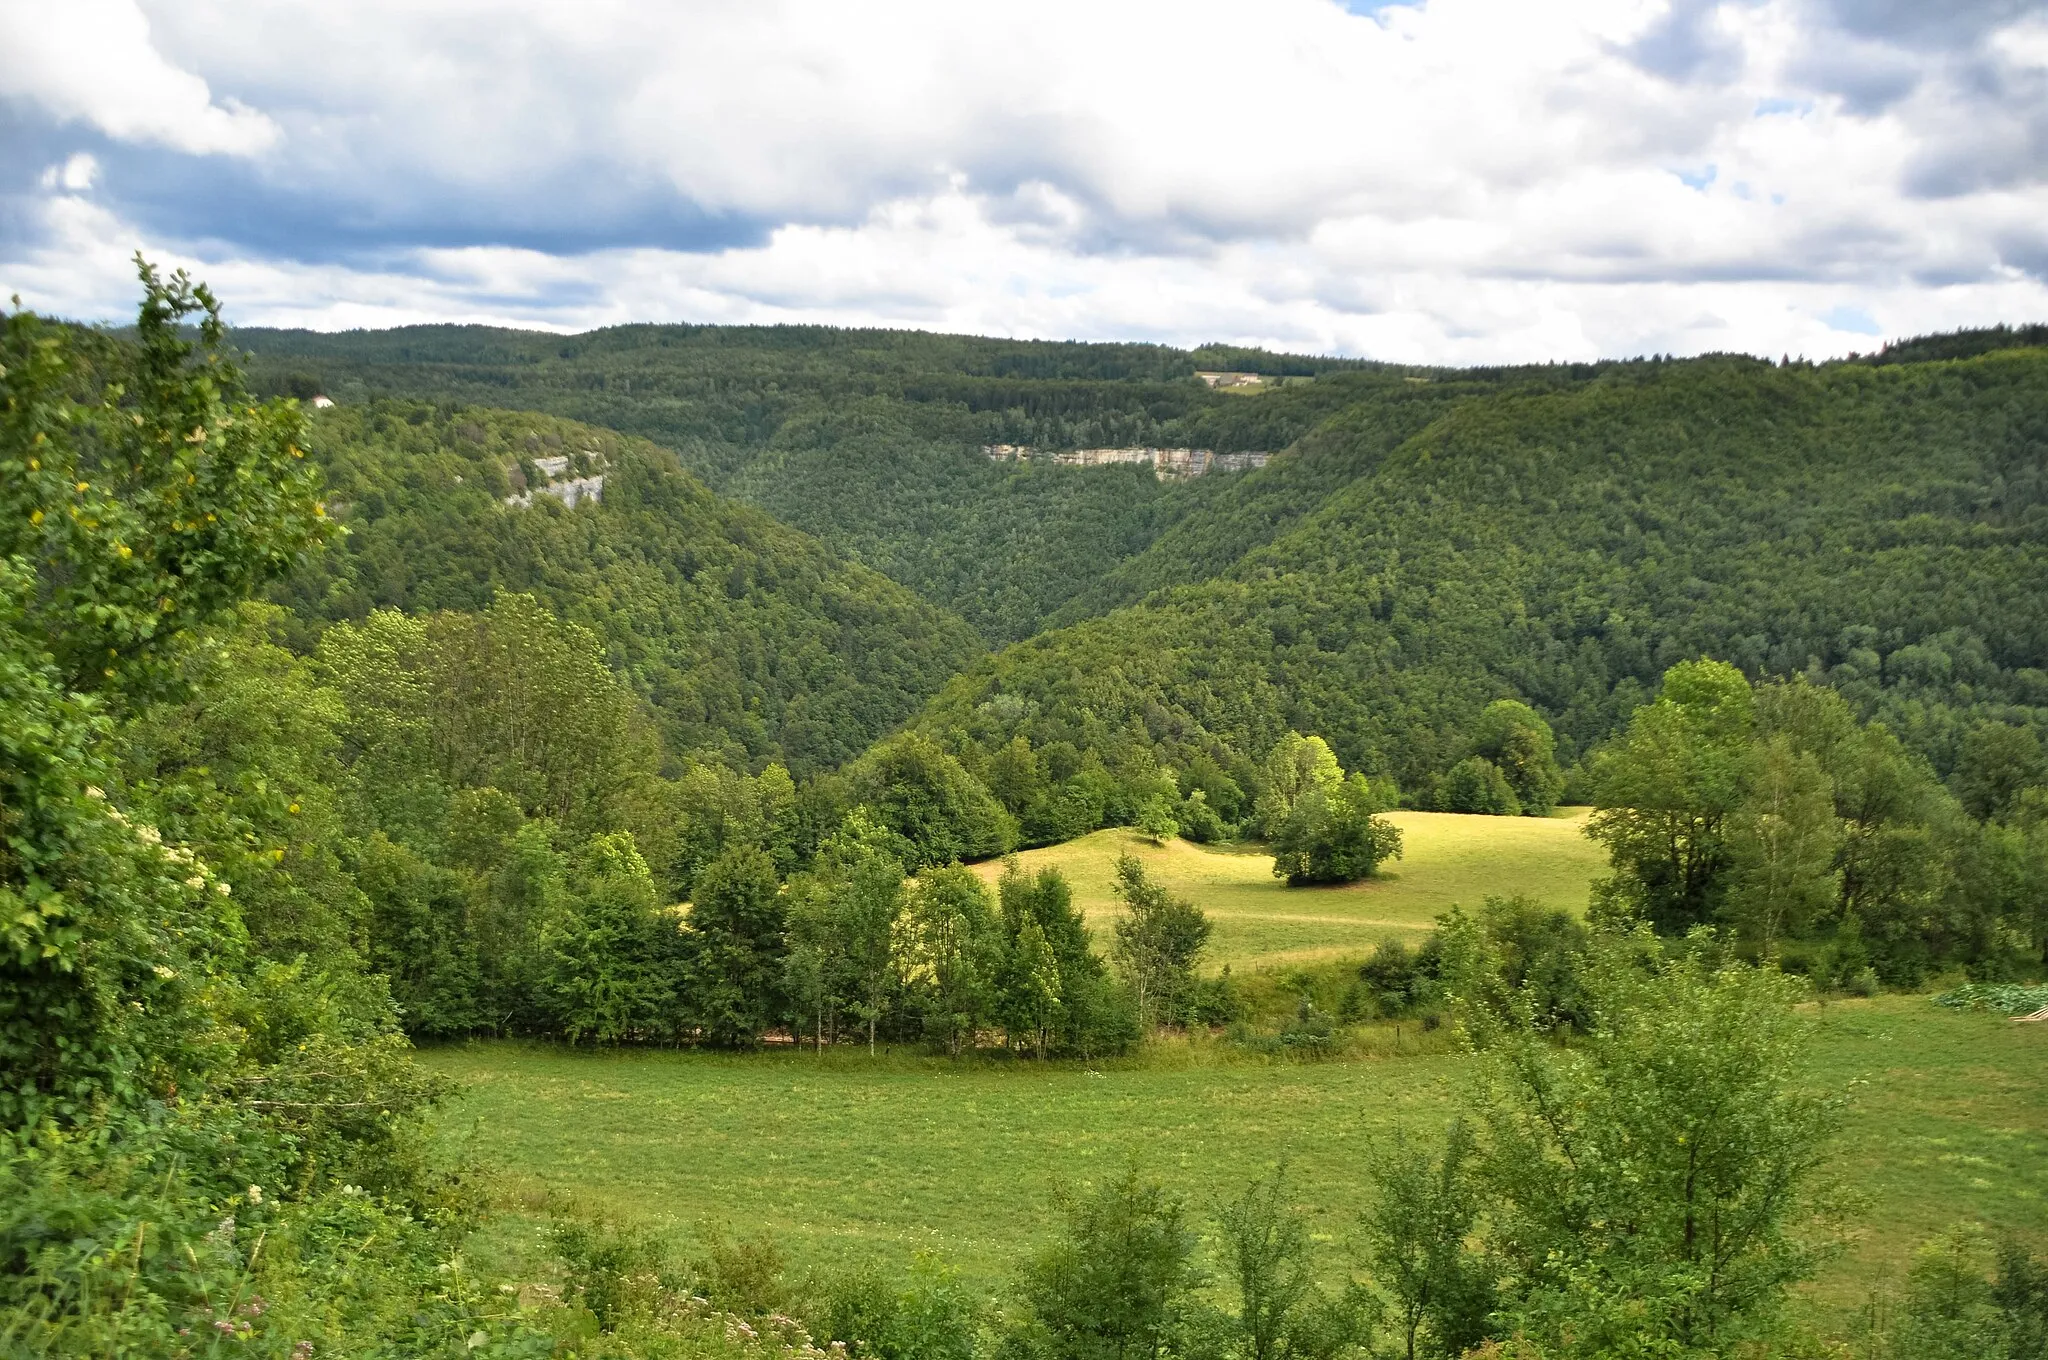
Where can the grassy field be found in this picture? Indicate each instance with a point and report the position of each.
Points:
(1448, 859)
(845, 1159)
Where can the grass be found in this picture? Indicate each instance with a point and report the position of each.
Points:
(844, 1159)
(1448, 859)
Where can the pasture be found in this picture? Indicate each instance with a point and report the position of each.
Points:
(845, 1159)
(1448, 859)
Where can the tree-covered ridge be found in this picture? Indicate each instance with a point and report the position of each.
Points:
(746, 638)
(1884, 529)
(869, 439)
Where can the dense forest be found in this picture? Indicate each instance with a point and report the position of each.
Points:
(746, 638)
(1881, 530)
(870, 440)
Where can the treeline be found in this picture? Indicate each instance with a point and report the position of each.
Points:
(473, 808)
(1771, 811)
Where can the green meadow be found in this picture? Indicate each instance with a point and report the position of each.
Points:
(1448, 859)
(844, 1158)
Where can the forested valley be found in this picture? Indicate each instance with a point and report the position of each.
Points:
(694, 687)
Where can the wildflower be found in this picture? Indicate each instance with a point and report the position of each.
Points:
(93, 792)
(195, 883)
(255, 1194)
(303, 1351)
(255, 1306)
(165, 973)
(222, 889)
(149, 835)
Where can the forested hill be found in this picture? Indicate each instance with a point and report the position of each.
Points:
(1882, 528)
(871, 440)
(749, 640)
(1428, 539)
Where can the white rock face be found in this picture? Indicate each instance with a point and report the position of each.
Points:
(1164, 462)
(570, 491)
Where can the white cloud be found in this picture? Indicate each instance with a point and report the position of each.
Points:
(92, 60)
(1456, 180)
(74, 176)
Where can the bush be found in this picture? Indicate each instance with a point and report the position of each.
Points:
(929, 1315)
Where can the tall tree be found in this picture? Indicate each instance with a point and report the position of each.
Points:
(1335, 835)
(952, 950)
(1782, 848)
(1295, 768)
(1518, 742)
(842, 922)
(737, 945)
(1665, 792)
(1159, 943)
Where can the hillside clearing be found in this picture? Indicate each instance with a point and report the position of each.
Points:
(1449, 859)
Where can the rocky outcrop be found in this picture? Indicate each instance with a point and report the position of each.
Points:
(570, 491)
(1164, 462)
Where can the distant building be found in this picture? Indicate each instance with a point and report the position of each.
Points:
(322, 403)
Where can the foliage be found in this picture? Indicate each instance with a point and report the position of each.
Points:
(1476, 784)
(927, 1315)
(1114, 1286)
(2010, 998)
(1652, 1185)
(1563, 544)
(1955, 1304)
(141, 496)
(921, 793)
(1667, 790)
(1516, 740)
(748, 641)
(1159, 943)
(1282, 1314)
(1335, 835)
(737, 947)
(950, 955)
(1416, 1244)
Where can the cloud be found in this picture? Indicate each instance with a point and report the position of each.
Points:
(1452, 179)
(92, 61)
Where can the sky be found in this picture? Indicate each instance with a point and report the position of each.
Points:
(1446, 181)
